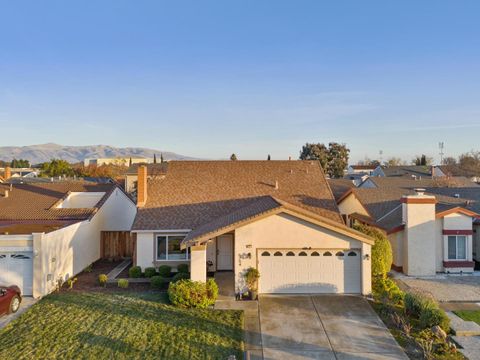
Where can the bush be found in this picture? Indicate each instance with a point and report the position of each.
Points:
(414, 302)
(431, 315)
(251, 277)
(192, 294)
(182, 268)
(122, 283)
(135, 272)
(150, 271)
(102, 279)
(212, 290)
(180, 276)
(382, 257)
(164, 270)
(387, 289)
(157, 282)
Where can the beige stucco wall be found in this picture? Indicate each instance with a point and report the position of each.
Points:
(419, 256)
(476, 242)
(64, 253)
(13, 241)
(396, 241)
(351, 205)
(284, 231)
(130, 181)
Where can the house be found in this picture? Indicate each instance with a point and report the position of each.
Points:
(413, 171)
(361, 169)
(50, 232)
(122, 161)
(433, 226)
(17, 173)
(455, 171)
(227, 216)
(153, 170)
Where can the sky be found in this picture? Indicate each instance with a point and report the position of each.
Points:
(211, 78)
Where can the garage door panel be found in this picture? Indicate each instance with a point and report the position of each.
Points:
(16, 268)
(309, 271)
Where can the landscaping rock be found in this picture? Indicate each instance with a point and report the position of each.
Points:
(439, 333)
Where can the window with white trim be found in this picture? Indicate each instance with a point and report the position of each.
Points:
(168, 248)
(457, 247)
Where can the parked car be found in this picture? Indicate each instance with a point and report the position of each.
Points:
(10, 299)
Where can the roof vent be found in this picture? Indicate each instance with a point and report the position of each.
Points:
(276, 184)
(419, 191)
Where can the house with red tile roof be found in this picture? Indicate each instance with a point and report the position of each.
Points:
(279, 217)
(50, 232)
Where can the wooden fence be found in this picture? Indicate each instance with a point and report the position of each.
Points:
(117, 244)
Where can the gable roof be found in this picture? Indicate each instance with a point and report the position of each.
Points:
(34, 204)
(405, 170)
(455, 170)
(410, 183)
(195, 193)
(340, 187)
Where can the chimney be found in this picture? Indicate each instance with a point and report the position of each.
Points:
(276, 184)
(142, 186)
(5, 194)
(8, 172)
(418, 214)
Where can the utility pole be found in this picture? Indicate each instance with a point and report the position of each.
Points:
(441, 146)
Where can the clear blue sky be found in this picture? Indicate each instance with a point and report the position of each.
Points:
(208, 78)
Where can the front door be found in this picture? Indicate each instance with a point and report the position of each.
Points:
(225, 252)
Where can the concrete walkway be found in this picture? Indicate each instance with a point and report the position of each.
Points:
(24, 306)
(324, 327)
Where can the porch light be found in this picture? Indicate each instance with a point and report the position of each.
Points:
(367, 256)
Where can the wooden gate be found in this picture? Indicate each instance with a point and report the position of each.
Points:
(117, 244)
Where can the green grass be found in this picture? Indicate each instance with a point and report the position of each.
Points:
(469, 315)
(120, 326)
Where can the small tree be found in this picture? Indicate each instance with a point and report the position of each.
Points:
(154, 158)
(161, 157)
(381, 251)
(268, 157)
(251, 277)
(233, 157)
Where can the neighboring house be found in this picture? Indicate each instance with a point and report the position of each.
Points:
(413, 171)
(153, 170)
(123, 161)
(51, 231)
(10, 172)
(408, 182)
(455, 170)
(361, 169)
(277, 216)
(431, 230)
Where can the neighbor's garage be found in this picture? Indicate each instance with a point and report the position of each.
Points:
(16, 268)
(309, 271)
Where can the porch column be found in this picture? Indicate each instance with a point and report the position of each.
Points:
(198, 263)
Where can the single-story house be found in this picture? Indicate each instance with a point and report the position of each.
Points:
(277, 216)
(455, 170)
(50, 232)
(432, 226)
(415, 171)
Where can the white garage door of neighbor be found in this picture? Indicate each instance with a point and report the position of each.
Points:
(309, 271)
(16, 268)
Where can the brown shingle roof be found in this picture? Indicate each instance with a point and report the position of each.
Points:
(340, 187)
(152, 169)
(35, 201)
(194, 193)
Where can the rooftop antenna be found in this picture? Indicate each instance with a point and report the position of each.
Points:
(380, 155)
(441, 146)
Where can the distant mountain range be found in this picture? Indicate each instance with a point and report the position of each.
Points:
(45, 152)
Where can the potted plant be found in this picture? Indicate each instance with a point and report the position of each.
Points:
(251, 278)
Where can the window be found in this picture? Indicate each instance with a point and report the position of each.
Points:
(277, 253)
(328, 253)
(168, 248)
(339, 253)
(302, 253)
(314, 254)
(352, 253)
(290, 253)
(457, 247)
(265, 253)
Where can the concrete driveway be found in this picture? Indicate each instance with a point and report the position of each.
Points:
(324, 327)
(24, 306)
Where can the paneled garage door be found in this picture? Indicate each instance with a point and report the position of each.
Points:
(16, 268)
(309, 271)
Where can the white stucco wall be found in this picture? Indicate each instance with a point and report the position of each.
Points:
(283, 232)
(66, 252)
(396, 241)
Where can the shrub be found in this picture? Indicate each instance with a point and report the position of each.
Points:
(212, 290)
(135, 272)
(122, 283)
(164, 270)
(180, 276)
(381, 251)
(89, 268)
(102, 279)
(387, 289)
(414, 302)
(251, 277)
(150, 271)
(190, 294)
(182, 268)
(157, 282)
(70, 282)
(431, 315)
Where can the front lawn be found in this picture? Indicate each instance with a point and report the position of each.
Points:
(469, 315)
(75, 325)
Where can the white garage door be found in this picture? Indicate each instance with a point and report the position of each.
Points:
(16, 268)
(309, 271)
